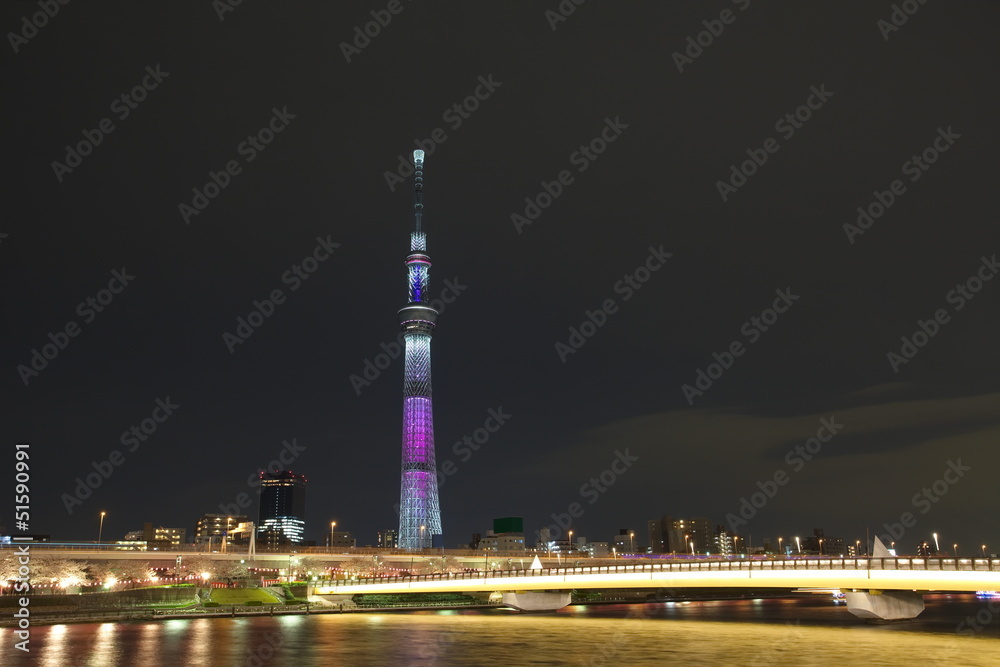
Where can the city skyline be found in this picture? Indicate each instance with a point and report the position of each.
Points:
(210, 288)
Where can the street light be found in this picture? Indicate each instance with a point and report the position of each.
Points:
(100, 529)
(571, 539)
(779, 546)
(954, 548)
(798, 545)
(614, 553)
(692, 547)
(984, 551)
(333, 524)
(736, 545)
(937, 547)
(631, 541)
(857, 548)
(422, 536)
(821, 546)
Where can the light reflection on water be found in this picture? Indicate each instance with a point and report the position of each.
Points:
(744, 632)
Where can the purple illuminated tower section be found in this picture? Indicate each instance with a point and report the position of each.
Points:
(419, 511)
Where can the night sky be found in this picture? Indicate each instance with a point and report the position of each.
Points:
(680, 118)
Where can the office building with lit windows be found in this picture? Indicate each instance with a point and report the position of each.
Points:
(215, 528)
(282, 517)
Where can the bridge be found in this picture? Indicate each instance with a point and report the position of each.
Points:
(875, 588)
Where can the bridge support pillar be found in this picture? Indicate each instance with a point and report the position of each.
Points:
(885, 605)
(537, 601)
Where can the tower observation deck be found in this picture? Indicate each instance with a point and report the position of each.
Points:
(419, 510)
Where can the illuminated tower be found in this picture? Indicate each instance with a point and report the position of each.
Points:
(419, 511)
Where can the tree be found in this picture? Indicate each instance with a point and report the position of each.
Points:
(312, 567)
(232, 570)
(199, 566)
(8, 566)
(47, 569)
(132, 572)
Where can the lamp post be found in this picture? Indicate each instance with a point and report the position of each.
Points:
(954, 548)
(984, 551)
(857, 548)
(422, 537)
(100, 529)
(570, 539)
(821, 546)
(937, 547)
(798, 545)
(631, 541)
(692, 547)
(333, 524)
(614, 553)
(780, 550)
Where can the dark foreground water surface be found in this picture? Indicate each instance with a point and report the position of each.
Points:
(744, 632)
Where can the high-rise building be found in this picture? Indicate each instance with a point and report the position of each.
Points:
(723, 542)
(157, 538)
(388, 539)
(824, 545)
(214, 528)
(507, 535)
(656, 541)
(682, 534)
(282, 515)
(625, 541)
(419, 511)
(341, 539)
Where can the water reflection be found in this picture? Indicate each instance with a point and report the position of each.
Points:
(744, 632)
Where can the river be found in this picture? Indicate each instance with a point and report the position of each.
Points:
(802, 632)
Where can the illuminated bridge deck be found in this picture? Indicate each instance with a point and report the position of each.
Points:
(917, 574)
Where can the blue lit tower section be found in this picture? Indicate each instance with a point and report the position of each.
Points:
(419, 511)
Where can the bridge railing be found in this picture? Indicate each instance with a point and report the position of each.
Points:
(778, 564)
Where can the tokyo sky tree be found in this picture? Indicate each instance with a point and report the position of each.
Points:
(419, 511)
